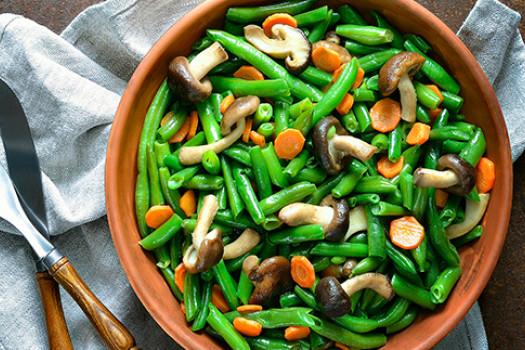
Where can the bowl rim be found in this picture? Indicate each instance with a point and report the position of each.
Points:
(133, 91)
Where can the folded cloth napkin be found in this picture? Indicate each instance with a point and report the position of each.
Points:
(70, 86)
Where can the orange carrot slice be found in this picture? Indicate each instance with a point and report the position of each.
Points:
(389, 169)
(326, 59)
(218, 299)
(302, 271)
(188, 203)
(406, 232)
(419, 134)
(247, 327)
(248, 73)
(157, 215)
(226, 102)
(441, 197)
(485, 175)
(277, 18)
(296, 332)
(359, 79)
(249, 308)
(436, 90)
(289, 143)
(345, 105)
(180, 275)
(385, 115)
(182, 132)
(257, 139)
(194, 123)
(247, 129)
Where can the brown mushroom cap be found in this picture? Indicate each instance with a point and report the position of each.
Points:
(406, 62)
(209, 253)
(465, 172)
(331, 160)
(332, 37)
(345, 55)
(337, 228)
(184, 83)
(239, 109)
(271, 278)
(333, 299)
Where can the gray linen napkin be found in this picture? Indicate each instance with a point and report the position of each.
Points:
(70, 86)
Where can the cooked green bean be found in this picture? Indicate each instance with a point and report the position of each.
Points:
(238, 154)
(367, 35)
(288, 195)
(299, 234)
(319, 29)
(311, 17)
(163, 234)
(259, 13)
(221, 325)
(236, 203)
(355, 250)
(444, 284)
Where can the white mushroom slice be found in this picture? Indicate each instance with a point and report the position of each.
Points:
(357, 221)
(434, 178)
(242, 245)
(473, 213)
(353, 146)
(193, 154)
(376, 281)
(207, 59)
(408, 95)
(297, 214)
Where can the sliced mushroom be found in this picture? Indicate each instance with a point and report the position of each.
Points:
(335, 297)
(357, 221)
(271, 278)
(207, 247)
(242, 245)
(396, 74)
(288, 43)
(332, 37)
(473, 213)
(453, 173)
(239, 109)
(186, 78)
(193, 154)
(336, 152)
(331, 214)
(329, 44)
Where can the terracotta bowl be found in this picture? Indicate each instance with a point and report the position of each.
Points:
(481, 108)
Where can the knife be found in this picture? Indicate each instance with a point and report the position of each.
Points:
(24, 169)
(23, 162)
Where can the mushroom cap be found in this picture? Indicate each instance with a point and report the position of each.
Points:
(271, 278)
(331, 160)
(333, 299)
(240, 108)
(337, 228)
(329, 44)
(185, 84)
(406, 62)
(465, 172)
(332, 36)
(209, 254)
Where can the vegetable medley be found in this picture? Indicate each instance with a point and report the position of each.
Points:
(305, 177)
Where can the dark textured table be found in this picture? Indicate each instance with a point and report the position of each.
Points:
(503, 300)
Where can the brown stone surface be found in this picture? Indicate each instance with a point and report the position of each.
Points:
(503, 300)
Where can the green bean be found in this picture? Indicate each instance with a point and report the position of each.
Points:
(422, 114)
(244, 288)
(397, 41)
(356, 48)
(395, 146)
(289, 300)
(475, 148)
(325, 189)
(227, 284)
(349, 121)
(345, 337)
(231, 65)
(364, 199)
(319, 29)
(426, 96)
(210, 126)
(387, 209)
(181, 177)
(266, 129)
(233, 28)
(288, 195)
(470, 236)
(420, 43)
(242, 87)
(448, 133)
(304, 122)
(169, 276)
(156, 196)
(299, 234)
(259, 13)
(264, 343)
(300, 107)
(416, 294)
(356, 170)
(367, 35)
(200, 320)
(363, 95)
(449, 211)
(175, 245)
(215, 101)
(306, 296)
(297, 164)
(190, 224)
(234, 198)
(281, 116)
(380, 141)
(452, 101)
(444, 284)
(260, 172)
(400, 260)
(236, 263)
(316, 76)
(335, 94)
(248, 195)
(163, 234)
(368, 264)
(162, 149)
(405, 321)
(172, 160)
(363, 116)
(192, 296)
(376, 235)
(263, 114)
(278, 318)
(204, 182)
(406, 183)
(376, 60)
(452, 146)
(221, 324)
(238, 154)
(277, 177)
(171, 196)
(174, 123)
(311, 17)
(419, 254)
(375, 184)
(354, 250)
(313, 175)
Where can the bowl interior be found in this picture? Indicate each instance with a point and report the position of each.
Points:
(481, 108)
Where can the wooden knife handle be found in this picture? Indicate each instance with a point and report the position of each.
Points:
(114, 334)
(57, 331)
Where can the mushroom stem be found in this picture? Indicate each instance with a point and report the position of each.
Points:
(408, 95)
(242, 245)
(193, 154)
(473, 213)
(353, 146)
(435, 178)
(357, 221)
(210, 206)
(207, 59)
(296, 214)
(239, 109)
(379, 283)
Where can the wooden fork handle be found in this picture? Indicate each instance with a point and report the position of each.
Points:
(114, 334)
(57, 332)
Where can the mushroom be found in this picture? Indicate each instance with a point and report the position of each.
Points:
(242, 245)
(357, 221)
(186, 78)
(453, 173)
(340, 270)
(271, 278)
(334, 297)
(234, 114)
(330, 44)
(473, 213)
(336, 152)
(207, 247)
(332, 36)
(288, 43)
(331, 214)
(396, 74)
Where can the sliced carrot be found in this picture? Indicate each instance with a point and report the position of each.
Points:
(385, 115)
(359, 79)
(419, 134)
(389, 169)
(194, 123)
(341, 346)
(218, 299)
(345, 105)
(248, 73)
(182, 132)
(187, 203)
(249, 308)
(157, 215)
(441, 197)
(406, 232)
(247, 327)
(277, 18)
(436, 90)
(485, 175)
(247, 129)
(226, 102)
(296, 332)
(337, 72)
(434, 113)
(302, 271)
(289, 143)
(180, 276)
(257, 139)
(326, 59)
